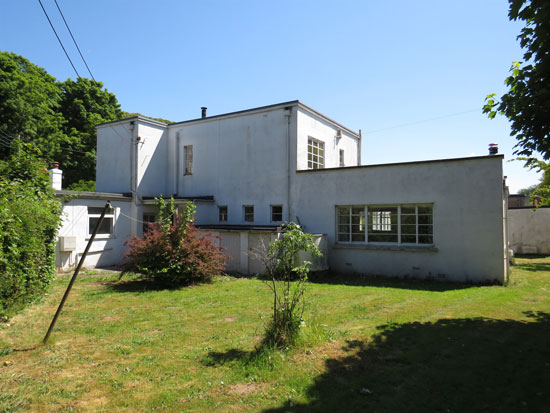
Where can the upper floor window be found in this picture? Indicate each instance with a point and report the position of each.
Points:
(315, 154)
(276, 213)
(188, 159)
(106, 227)
(248, 212)
(342, 158)
(222, 213)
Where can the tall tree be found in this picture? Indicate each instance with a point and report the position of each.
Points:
(527, 102)
(57, 117)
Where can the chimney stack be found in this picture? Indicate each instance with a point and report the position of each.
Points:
(203, 112)
(493, 148)
(56, 176)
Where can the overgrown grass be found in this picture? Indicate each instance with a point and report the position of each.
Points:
(368, 345)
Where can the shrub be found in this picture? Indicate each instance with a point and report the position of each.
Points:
(173, 251)
(29, 219)
(288, 281)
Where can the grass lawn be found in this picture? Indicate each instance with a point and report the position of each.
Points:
(369, 345)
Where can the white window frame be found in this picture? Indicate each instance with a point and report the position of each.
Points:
(245, 213)
(188, 157)
(146, 219)
(220, 213)
(315, 160)
(109, 215)
(271, 212)
(383, 224)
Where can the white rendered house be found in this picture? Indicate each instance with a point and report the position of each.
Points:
(250, 171)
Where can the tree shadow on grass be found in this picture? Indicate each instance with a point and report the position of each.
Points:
(142, 286)
(533, 266)
(449, 365)
(387, 282)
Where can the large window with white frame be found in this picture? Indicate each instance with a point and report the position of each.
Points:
(315, 154)
(106, 227)
(385, 224)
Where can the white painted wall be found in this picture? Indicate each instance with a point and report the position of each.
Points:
(113, 163)
(311, 125)
(529, 230)
(152, 153)
(106, 250)
(467, 198)
(241, 160)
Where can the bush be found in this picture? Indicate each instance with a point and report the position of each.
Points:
(288, 283)
(173, 251)
(29, 219)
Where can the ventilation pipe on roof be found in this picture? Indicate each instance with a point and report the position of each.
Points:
(203, 112)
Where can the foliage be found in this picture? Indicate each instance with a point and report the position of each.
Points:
(287, 279)
(29, 219)
(541, 190)
(173, 251)
(132, 114)
(82, 185)
(57, 117)
(527, 102)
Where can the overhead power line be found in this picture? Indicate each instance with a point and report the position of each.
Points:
(76, 44)
(58, 39)
(422, 121)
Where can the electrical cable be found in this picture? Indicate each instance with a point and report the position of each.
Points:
(421, 121)
(58, 39)
(71, 33)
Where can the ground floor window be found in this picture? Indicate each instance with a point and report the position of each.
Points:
(148, 219)
(106, 227)
(248, 213)
(222, 213)
(276, 213)
(398, 224)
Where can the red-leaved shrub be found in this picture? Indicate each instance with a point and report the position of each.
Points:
(175, 253)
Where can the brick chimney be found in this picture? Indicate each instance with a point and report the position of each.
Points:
(56, 176)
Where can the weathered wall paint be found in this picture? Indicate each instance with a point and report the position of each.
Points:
(529, 230)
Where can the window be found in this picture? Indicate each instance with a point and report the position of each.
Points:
(222, 213)
(342, 158)
(399, 224)
(276, 213)
(106, 227)
(188, 159)
(315, 154)
(148, 219)
(248, 212)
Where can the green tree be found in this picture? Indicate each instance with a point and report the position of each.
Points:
(542, 189)
(29, 102)
(527, 102)
(57, 117)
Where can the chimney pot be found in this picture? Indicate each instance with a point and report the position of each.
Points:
(203, 111)
(493, 148)
(56, 176)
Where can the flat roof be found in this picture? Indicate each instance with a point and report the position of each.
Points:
(93, 195)
(344, 168)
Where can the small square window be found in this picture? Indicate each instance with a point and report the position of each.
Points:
(276, 213)
(222, 213)
(248, 212)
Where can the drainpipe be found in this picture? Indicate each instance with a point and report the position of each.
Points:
(177, 168)
(288, 161)
(359, 149)
(134, 141)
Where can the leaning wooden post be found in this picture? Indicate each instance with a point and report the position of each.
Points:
(68, 290)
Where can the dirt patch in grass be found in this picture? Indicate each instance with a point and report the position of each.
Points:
(242, 389)
(230, 319)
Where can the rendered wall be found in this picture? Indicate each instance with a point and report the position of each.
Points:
(241, 160)
(467, 197)
(113, 163)
(106, 250)
(529, 230)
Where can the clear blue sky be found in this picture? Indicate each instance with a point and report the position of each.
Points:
(371, 65)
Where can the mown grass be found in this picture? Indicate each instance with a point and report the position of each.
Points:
(369, 345)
